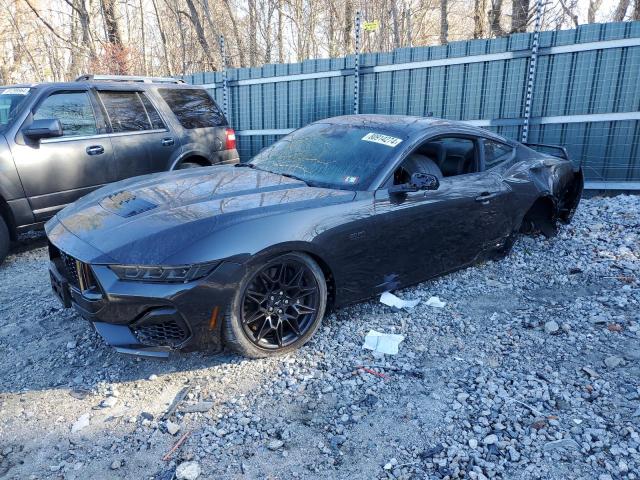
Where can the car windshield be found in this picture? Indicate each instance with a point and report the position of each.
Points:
(345, 157)
(10, 100)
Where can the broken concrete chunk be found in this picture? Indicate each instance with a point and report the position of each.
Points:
(81, 423)
(200, 407)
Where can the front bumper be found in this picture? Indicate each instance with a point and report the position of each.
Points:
(146, 318)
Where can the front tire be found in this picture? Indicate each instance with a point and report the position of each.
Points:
(5, 240)
(278, 307)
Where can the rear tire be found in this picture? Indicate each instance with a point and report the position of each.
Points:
(5, 239)
(278, 307)
(185, 165)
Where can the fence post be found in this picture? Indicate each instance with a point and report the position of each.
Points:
(223, 56)
(356, 70)
(532, 71)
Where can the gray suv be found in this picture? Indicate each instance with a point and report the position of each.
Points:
(59, 141)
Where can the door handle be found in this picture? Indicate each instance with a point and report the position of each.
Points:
(486, 196)
(95, 150)
(167, 142)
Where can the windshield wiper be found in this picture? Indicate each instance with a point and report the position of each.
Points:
(290, 175)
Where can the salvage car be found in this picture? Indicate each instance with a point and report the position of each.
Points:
(251, 256)
(60, 141)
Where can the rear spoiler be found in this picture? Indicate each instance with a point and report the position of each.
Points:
(553, 150)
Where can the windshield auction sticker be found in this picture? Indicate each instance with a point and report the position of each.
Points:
(387, 140)
(14, 91)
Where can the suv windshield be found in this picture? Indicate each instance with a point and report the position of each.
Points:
(10, 100)
(345, 157)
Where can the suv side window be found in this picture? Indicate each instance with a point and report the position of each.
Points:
(193, 108)
(130, 112)
(495, 153)
(74, 111)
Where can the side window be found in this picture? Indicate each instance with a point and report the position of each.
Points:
(495, 153)
(74, 111)
(193, 108)
(130, 112)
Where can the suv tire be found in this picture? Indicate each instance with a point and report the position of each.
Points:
(185, 165)
(5, 239)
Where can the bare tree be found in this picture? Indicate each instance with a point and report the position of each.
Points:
(444, 23)
(495, 12)
(479, 7)
(621, 10)
(519, 15)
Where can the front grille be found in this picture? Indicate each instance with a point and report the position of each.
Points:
(167, 333)
(70, 269)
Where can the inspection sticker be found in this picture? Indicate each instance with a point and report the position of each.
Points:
(387, 140)
(15, 91)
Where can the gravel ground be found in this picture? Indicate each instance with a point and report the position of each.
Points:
(531, 370)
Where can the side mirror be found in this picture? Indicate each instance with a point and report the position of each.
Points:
(419, 181)
(45, 128)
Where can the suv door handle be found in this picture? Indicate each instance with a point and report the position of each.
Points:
(95, 150)
(167, 142)
(486, 196)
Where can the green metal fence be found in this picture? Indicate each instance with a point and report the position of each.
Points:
(586, 94)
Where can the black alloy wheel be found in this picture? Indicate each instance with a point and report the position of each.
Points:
(279, 306)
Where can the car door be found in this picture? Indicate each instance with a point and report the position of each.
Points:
(57, 171)
(436, 231)
(142, 142)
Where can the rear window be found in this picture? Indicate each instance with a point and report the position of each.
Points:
(193, 108)
(130, 112)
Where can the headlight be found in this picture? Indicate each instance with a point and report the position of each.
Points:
(176, 274)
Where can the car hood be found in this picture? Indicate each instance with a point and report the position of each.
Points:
(147, 219)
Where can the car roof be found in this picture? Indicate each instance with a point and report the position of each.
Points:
(411, 126)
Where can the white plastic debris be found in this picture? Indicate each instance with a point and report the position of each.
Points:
(390, 299)
(436, 302)
(382, 342)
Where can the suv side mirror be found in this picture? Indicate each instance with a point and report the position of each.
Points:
(44, 128)
(419, 181)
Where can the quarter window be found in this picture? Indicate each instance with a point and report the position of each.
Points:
(74, 111)
(130, 112)
(495, 153)
(193, 108)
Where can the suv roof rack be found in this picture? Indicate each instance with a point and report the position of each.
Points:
(127, 78)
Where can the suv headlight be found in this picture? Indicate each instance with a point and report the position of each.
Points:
(174, 274)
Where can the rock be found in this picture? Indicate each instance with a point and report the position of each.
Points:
(551, 327)
(566, 443)
(188, 471)
(81, 423)
(473, 443)
(153, 377)
(612, 361)
(200, 407)
(172, 428)
(490, 439)
(116, 464)
(109, 402)
(462, 397)
(392, 463)
(71, 345)
(275, 444)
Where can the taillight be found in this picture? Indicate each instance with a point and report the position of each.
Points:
(231, 139)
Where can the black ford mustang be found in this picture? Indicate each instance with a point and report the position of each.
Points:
(252, 255)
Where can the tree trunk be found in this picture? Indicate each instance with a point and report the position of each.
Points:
(494, 18)
(396, 24)
(144, 41)
(621, 10)
(444, 23)
(280, 33)
(479, 7)
(163, 39)
(348, 27)
(636, 11)
(253, 44)
(111, 22)
(202, 39)
(236, 34)
(519, 15)
(594, 5)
